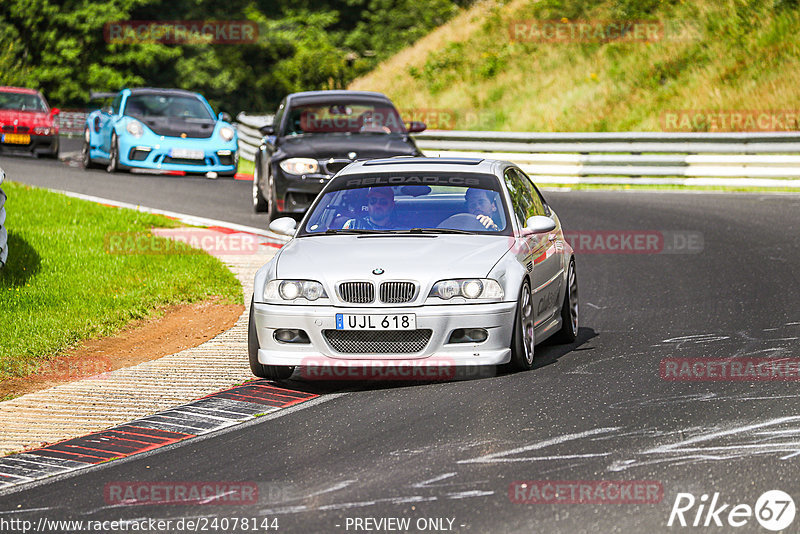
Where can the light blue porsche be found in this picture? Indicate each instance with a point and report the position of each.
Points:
(162, 130)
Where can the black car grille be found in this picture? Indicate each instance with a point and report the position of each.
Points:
(357, 292)
(8, 127)
(371, 342)
(23, 129)
(396, 292)
(184, 161)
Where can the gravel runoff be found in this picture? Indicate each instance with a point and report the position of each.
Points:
(96, 403)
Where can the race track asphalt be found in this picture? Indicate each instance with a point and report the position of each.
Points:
(597, 410)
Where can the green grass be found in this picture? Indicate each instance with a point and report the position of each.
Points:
(61, 286)
(733, 55)
(245, 167)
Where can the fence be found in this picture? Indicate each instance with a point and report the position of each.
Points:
(3, 233)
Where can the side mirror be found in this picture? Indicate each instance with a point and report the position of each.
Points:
(224, 116)
(539, 224)
(267, 130)
(55, 111)
(283, 226)
(416, 127)
(107, 110)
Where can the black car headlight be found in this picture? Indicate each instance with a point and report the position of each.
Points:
(300, 166)
(290, 290)
(468, 288)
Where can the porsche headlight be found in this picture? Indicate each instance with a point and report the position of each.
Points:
(226, 133)
(469, 288)
(300, 166)
(134, 128)
(293, 289)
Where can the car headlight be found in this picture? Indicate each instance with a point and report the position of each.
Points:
(293, 289)
(226, 133)
(134, 128)
(42, 130)
(300, 165)
(469, 288)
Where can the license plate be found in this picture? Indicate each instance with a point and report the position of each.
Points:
(406, 321)
(186, 153)
(16, 139)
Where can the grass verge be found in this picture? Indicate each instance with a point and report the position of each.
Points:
(60, 284)
(245, 167)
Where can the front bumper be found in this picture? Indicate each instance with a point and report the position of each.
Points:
(39, 144)
(296, 193)
(149, 153)
(497, 319)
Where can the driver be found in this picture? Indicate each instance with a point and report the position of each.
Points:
(481, 206)
(381, 216)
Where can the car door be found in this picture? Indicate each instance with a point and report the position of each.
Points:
(107, 121)
(538, 251)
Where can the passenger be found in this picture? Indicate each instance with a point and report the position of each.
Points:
(479, 203)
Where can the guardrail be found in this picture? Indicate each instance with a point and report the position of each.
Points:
(70, 123)
(249, 137)
(3, 233)
(765, 159)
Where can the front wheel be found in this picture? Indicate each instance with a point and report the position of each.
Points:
(272, 203)
(113, 155)
(271, 372)
(522, 339)
(569, 308)
(259, 202)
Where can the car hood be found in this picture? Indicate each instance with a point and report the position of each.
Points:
(25, 118)
(366, 146)
(331, 259)
(175, 127)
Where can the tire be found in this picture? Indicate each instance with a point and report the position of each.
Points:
(54, 153)
(113, 155)
(86, 157)
(270, 372)
(522, 340)
(272, 204)
(259, 202)
(569, 308)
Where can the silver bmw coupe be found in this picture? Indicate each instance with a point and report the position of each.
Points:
(415, 262)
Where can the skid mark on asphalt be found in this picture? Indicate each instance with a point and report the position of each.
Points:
(203, 416)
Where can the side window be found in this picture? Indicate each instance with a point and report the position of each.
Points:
(539, 207)
(115, 104)
(520, 196)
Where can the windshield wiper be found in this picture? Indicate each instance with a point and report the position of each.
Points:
(332, 231)
(438, 231)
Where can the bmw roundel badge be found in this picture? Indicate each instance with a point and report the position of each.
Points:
(377, 270)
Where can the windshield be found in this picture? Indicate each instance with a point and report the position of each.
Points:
(169, 106)
(22, 102)
(345, 117)
(366, 207)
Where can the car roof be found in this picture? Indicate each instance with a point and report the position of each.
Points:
(417, 164)
(23, 90)
(335, 96)
(160, 91)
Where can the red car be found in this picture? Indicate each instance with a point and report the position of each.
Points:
(27, 124)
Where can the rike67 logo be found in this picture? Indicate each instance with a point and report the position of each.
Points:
(774, 510)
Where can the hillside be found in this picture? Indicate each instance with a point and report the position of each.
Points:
(731, 57)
